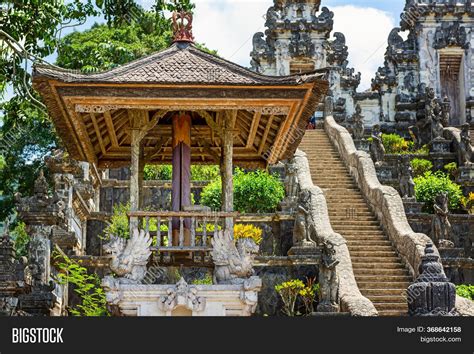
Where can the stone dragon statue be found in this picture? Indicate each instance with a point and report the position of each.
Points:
(233, 262)
(129, 257)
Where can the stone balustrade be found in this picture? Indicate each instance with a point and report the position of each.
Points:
(351, 300)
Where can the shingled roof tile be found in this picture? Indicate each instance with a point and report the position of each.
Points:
(178, 64)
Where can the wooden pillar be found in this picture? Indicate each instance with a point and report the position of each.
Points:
(138, 122)
(135, 194)
(226, 169)
(181, 184)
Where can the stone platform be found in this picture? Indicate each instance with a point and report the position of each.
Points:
(183, 299)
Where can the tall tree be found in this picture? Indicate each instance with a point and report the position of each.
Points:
(31, 30)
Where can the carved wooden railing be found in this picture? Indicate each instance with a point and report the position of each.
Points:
(180, 225)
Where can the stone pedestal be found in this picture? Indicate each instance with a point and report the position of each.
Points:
(304, 249)
(440, 146)
(327, 307)
(466, 179)
(362, 144)
(440, 159)
(183, 299)
(466, 174)
(412, 206)
(386, 173)
(431, 294)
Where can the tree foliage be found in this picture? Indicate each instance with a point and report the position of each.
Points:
(32, 30)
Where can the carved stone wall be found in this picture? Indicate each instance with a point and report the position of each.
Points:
(298, 39)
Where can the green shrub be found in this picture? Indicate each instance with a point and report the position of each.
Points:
(119, 225)
(466, 291)
(451, 169)
(157, 172)
(421, 166)
(289, 292)
(165, 172)
(428, 186)
(204, 172)
(20, 240)
(207, 280)
(254, 192)
(395, 144)
(424, 150)
(86, 286)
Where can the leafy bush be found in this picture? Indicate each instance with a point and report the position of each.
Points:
(165, 172)
(395, 144)
(452, 169)
(309, 294)
(466, 291)
(468, 202)
(119, 225)
(157, 172)
(20, 240)
(207, 280)
(428, 186)
(204, 172)
(248, 231)
(87, 286)
(421, 166)
(254, 192)
(289, 292)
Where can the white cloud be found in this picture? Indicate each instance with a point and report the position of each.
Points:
(366, 31)
(228, 26)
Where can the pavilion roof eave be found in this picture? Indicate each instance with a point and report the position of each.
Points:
(90, 116)
(176, 65)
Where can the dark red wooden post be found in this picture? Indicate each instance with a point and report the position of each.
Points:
(181, 184)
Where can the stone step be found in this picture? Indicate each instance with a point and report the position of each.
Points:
(386, 292)
(370, 248)
(361, 233)
(367, 235)
(357, 230)
(356, 222)
(367, 272)
(368, 253)
(392, 306)
(391, 313)
(364, 279)
(388, 299)
(330, 197)
(364, 264)
(382, 259)
(368, 243)
(357, 225)
(383, 285)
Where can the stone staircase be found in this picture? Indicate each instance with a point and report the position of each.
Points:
(379, 271)
(471, 133)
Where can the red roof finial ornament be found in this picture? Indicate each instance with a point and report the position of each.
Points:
(183, 27)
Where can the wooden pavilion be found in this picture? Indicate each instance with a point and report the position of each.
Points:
(180, 106)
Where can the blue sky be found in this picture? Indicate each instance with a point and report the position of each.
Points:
(228, 26)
